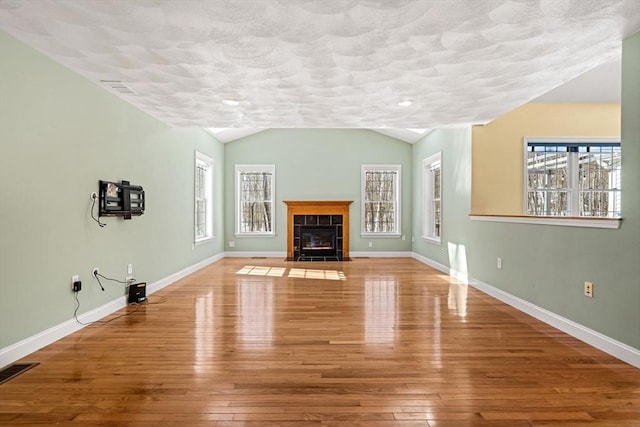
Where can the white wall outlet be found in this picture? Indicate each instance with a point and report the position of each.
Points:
(232, 244)
(403, 237)
(129, 268)
(370, 244)
(129, 280)
(499, 263)
(588, 289)
(75, 278)
(93, 195)
(95, 271)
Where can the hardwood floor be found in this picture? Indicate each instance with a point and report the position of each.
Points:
(371, 342)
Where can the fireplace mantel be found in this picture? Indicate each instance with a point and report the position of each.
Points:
(318, 207)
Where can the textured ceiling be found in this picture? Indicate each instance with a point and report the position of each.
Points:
(327, 64)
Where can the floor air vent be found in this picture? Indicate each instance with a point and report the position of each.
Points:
(14, 370)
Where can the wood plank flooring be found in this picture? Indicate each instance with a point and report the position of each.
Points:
(371, 342)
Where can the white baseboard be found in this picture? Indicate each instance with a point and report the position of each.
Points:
(33, 343)
(28, 345)
(159, 284)
(600, 341)
(240, 254)
(374, 254)
(431, 263)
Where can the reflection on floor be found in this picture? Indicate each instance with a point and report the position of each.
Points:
(369, 343)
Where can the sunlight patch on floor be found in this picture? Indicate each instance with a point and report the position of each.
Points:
(253, 270)
(307, 273)
(299, 273)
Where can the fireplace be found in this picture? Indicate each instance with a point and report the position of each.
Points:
(317, 238)
(316, 241)
(318, 230)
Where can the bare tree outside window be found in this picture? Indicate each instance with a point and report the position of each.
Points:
(256, 202)
(432, 213)
(599, 179)
(201, 200)
(380, 204)
(255, 198)
(203, 190)
(574, 179)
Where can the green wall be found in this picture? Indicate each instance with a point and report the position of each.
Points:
(547, 265)
(317, 164)
(59, 135)
(455, 146)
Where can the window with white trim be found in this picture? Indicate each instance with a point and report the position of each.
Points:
(255, 192)
(432, 210)
(381, 200)
(573, 177)
(203, 229)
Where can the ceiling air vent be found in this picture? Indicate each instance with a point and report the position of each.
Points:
(118, 86)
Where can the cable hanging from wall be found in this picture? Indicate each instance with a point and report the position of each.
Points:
(94, 197)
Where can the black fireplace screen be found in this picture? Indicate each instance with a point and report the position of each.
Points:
(317, 236)
(314, 241)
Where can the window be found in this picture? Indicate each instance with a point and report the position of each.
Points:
(573, 178)
(255, 199)
(381, 200)
(203, 197)
(432, 211)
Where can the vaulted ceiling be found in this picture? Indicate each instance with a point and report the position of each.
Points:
(398, 66)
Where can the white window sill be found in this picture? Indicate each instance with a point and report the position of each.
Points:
(390, 235)
(434, 240)
(613, 223)
(203, 240)
(255, 234)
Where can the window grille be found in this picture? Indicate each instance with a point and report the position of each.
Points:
(203, 198)
(381, 199)
(432, 219)
(574, 179)
(255, 199)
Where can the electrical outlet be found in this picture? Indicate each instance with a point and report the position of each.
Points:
(370, 244)
(588, 289)
(232, 244)
(404, 238)
(499, 263)
(129, 280)
(93, 195)
(76, 285)
(95, 271)
(129, 268)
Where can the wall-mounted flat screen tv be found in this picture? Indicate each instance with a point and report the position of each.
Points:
(120, 199)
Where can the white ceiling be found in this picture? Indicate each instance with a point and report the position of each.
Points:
(601, 84)
(328, 64)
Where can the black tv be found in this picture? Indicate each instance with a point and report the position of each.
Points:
(120, 199)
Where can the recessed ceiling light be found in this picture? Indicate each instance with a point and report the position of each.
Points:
(231, 102)
(405, 103)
